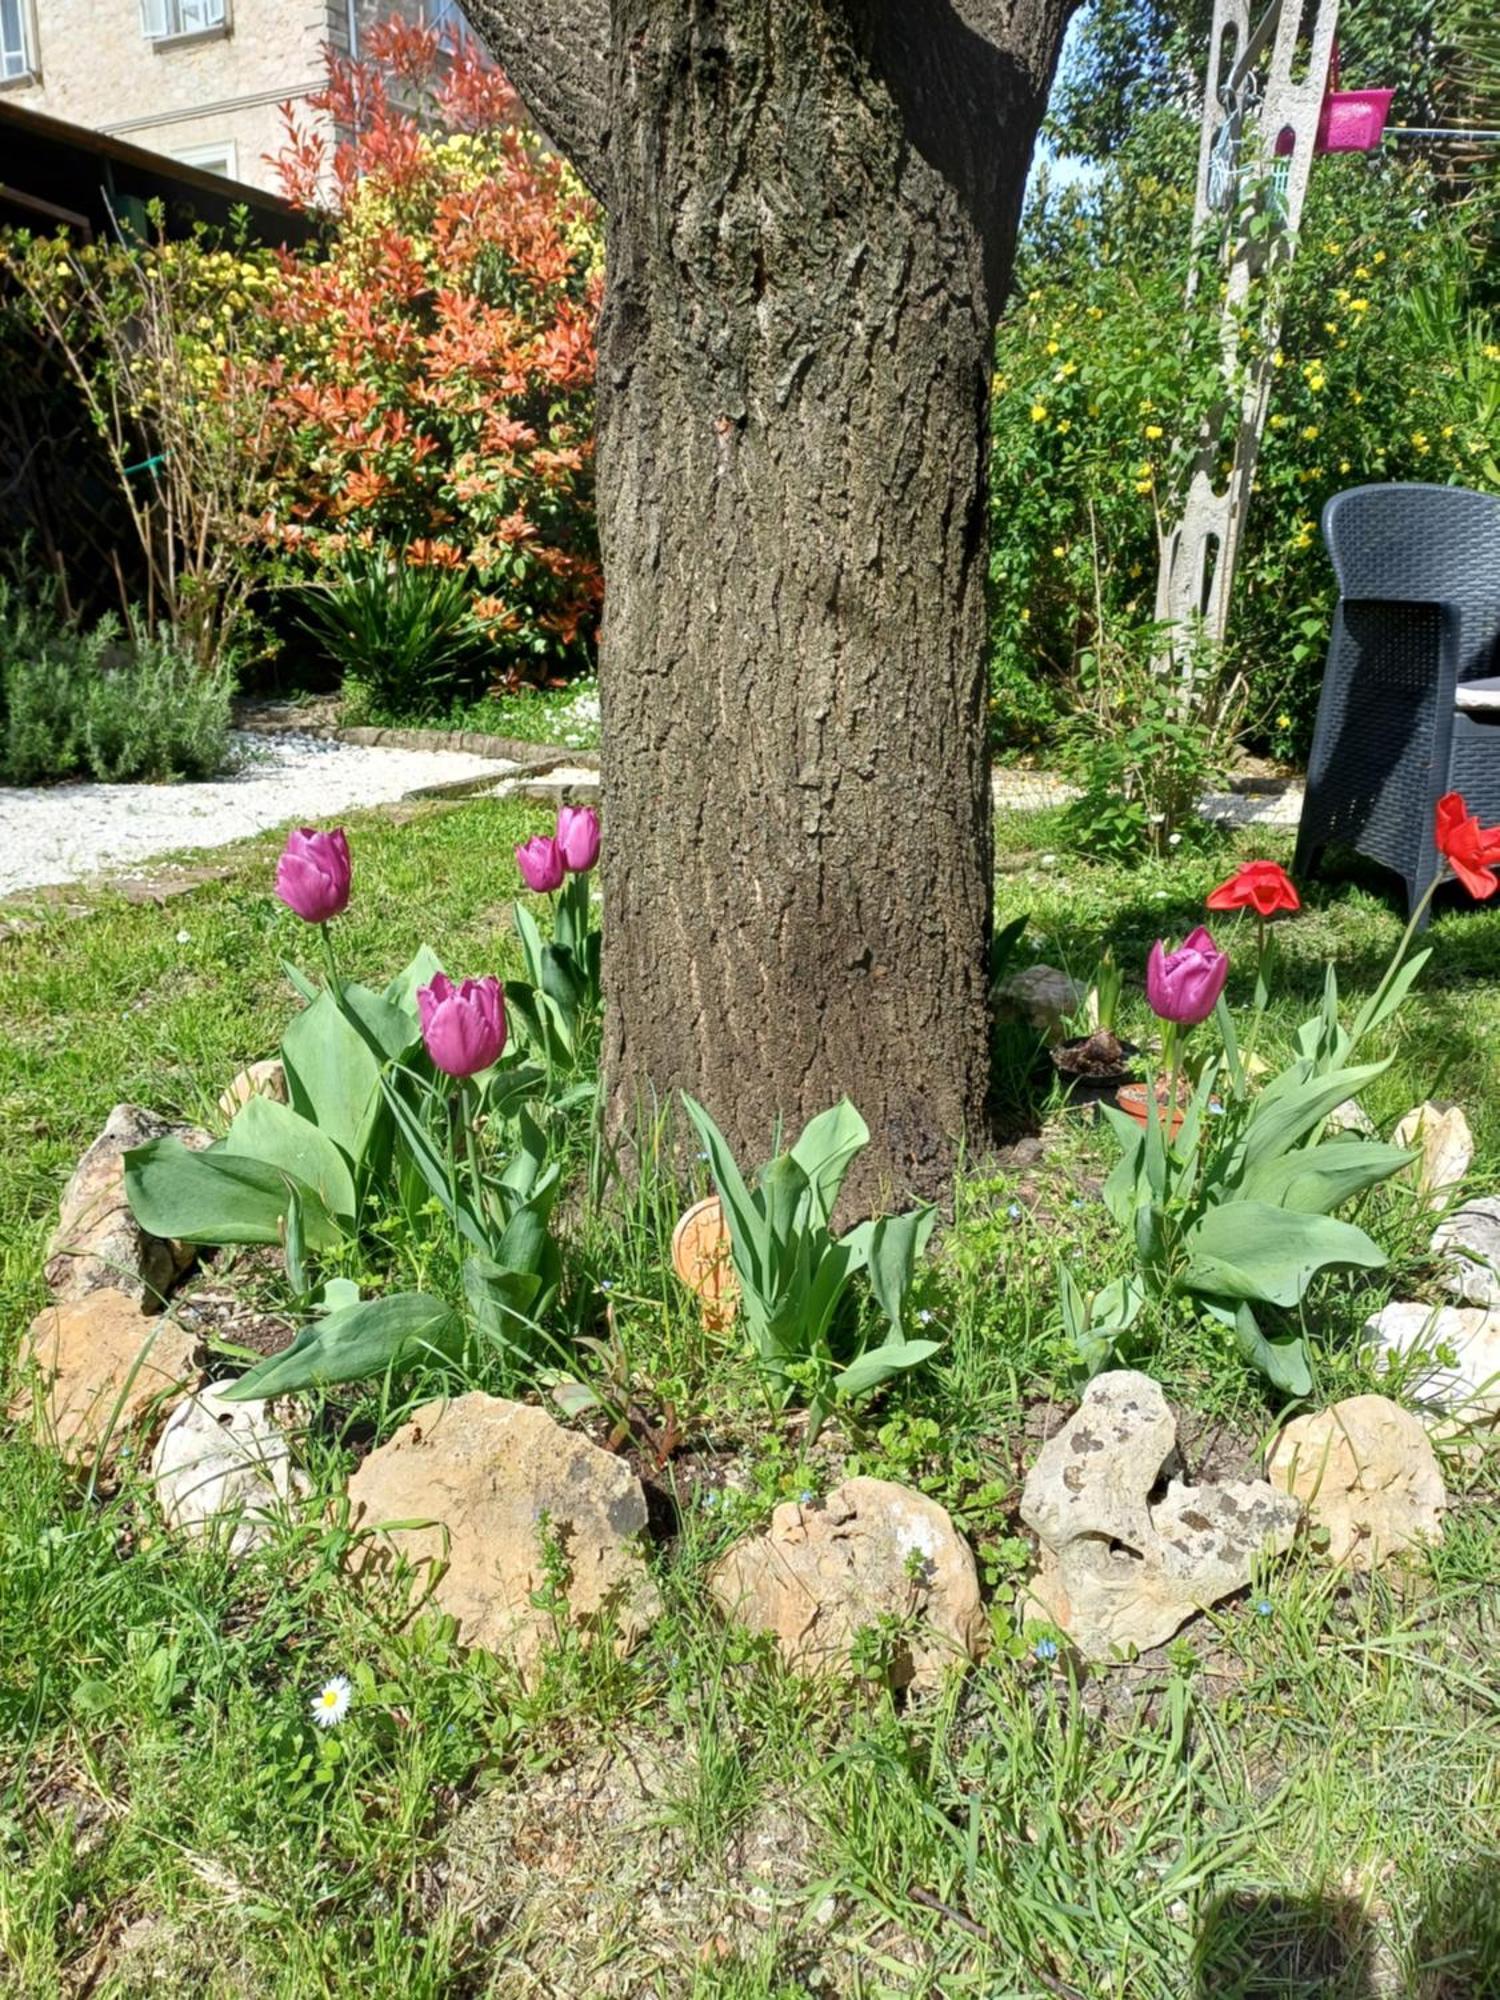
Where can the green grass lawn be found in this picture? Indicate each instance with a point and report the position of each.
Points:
(1301, 1796)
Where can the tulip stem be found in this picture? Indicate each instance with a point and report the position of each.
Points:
(1371, 1007)
(469, 1114)
(325, 938)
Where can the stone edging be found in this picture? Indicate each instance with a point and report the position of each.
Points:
(276, 719)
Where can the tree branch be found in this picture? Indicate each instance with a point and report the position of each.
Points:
(556, 53)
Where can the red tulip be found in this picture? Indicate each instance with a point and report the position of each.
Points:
(1262, 886)
(1471, 850)
(541, 863)
(313, 874)
(1184, 985)
(463, 1026)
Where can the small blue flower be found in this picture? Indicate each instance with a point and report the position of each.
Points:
(1215, 1108)
(1014, 1211)
(1045, 1649)
(805, 1497)
(1263, 1607)
(1078, 1202)
(925, 1317)
(710, 1499)
(606, 1284)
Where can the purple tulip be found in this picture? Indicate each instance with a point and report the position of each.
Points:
(313, 874)
(1184, 985)
(463, 1026)
(578, 837)
(541, 863)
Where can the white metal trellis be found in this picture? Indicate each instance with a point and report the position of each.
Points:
(1251, 99)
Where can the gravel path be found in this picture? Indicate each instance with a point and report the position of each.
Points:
(63, 833)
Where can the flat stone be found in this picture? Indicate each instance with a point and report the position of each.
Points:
(1468, 1246)
(220, 1465)
(1119, 1572)
(98, 1244)
(1042, 996)
(874, 1555)
(261, 1079)
(1468, 1384)
(1366, 1472)
(1446, 1144)
(103, 1366)
(1351, 1116)
(496, 1486)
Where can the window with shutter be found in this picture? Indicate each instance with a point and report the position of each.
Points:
(163, 19)
(15, 56)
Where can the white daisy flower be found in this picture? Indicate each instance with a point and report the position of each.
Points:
(331, 1703)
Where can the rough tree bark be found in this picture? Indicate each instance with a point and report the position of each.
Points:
(811, 210)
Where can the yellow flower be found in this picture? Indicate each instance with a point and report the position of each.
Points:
(1359, 305)
(1026, 616)
(1342, 295)
(1343, 465)
(1491, 351)
(1448, 430)
(1309, 432)
(1316, 384)
(1420, 444)
(1059, 549)
(1360, 271)
(1135, 569)
(1379, 257)
(1039, 413)
(1153, 430)
(1053, 347)
(1143, 486)
(1356, 396)
(1064, 427)
(1278, 359)
(1279, 422)
(1283, 721)
(1096, 312)
(1068, 368)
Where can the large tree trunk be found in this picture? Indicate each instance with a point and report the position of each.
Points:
(811, 210)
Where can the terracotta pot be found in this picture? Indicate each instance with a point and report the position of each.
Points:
(1131, 1098)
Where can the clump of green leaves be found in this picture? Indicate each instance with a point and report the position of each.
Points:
(795, 1274)
(401, 632)
(101, 701)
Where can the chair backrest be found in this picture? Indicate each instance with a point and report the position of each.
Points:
(1417, 545)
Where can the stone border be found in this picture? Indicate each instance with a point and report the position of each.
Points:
(283, 719)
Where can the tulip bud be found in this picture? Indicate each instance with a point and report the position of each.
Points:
(463, 1026)
(313, 874)
(578, 837)
(1184, 985)
(541, 863)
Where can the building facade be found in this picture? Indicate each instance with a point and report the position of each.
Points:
(202, 81)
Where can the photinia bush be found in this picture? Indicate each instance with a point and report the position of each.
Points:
(433, 379)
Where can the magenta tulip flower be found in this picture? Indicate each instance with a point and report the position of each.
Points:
(313, 874)
(1184, 985)
(578, 837)
(463, 1026)
(541, 863)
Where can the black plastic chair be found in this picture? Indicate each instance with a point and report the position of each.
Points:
(1418, 620)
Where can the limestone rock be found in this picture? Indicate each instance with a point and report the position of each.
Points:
(261, 1079)
(872, 1552)
(493, 1483)
(1366, 1471)
(98, 1244)
(1442, 1133)
(1351, 1116)
(104, 1364)
(219, 1464)
(1043, 997)
(1469, 1384)
(1468, 1244)
(1119, 1571)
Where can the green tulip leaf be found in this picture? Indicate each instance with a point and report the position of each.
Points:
(878, 1364)
(218, 1197)
(265, 1130)
(1248, 1250)
(828, 1145)
(355, 1344)
(1319, 1179)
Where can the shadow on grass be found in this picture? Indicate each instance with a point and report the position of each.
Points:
(1271, 1945)
(1268, 1945)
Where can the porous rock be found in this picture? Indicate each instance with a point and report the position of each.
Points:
(1445, 1146)
(1467, 1384)
(873, 1556)
(221, 1465)
(103, 1366)
(1042, 996)
(261, 1079)
(1366, 1472)
(1119, 1570)
(98, 1244)
(501, 1495)
(1467, 1246)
